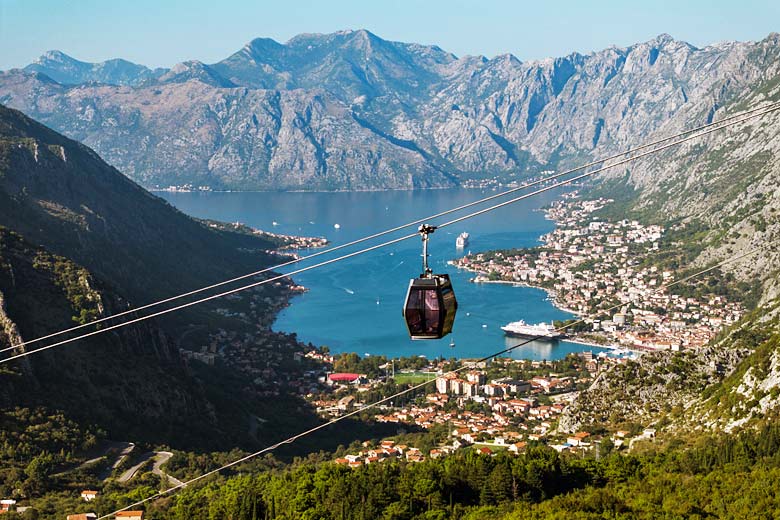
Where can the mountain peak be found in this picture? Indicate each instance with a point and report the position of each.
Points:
(54, 54)
(773, 37)
(261, 44)
(69, 71)
(56, 57)
(197, 70)
(361, 35)
(507, 58)
(187, 65)
(663, 39)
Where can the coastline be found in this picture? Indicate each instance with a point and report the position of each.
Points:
(598, 267)
(552, 296)
(384, 335)
(593, 344)
(551, 293)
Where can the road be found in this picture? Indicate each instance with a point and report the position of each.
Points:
(130, 473)
(103, 451)
(160, 458)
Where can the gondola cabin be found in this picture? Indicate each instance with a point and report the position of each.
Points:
(429, 309)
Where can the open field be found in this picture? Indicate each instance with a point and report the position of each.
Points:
(402, 378)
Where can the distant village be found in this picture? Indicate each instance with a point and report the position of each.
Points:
(184, 188)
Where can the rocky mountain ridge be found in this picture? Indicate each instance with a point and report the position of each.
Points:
(350, 110)
(69, 71)
(718, 196)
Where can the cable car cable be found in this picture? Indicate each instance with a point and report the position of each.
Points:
(470, 365)
(775, 108)
(208, 298)
(388, 231)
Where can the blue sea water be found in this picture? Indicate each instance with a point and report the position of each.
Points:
(355, 305)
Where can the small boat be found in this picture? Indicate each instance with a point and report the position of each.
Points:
(337, 226)
(462, 240)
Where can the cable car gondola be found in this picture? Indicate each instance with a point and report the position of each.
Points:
(430, 305)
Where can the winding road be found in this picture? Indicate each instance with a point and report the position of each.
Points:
(160, 458)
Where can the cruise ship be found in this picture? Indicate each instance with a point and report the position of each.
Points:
(541, 331)
(462, 240)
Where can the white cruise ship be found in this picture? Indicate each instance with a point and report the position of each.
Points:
(462, 240)
(541, 331)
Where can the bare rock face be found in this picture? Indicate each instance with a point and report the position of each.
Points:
(350, 110)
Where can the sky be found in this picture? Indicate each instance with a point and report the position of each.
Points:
(164, 32)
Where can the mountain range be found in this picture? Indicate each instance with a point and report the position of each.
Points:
(352, 111)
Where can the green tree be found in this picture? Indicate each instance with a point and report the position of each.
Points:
(38, 471)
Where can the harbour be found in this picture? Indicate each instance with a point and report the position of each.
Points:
(366, 318)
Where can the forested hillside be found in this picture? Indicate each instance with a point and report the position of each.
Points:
(79, 241)
(726, 477)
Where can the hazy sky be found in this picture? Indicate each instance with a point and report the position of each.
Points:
(164, 32)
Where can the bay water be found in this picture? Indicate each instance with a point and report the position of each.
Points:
(355, 305)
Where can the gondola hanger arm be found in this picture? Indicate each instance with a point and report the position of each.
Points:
(425, 230)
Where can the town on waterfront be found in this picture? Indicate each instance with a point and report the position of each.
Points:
(604, 271)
